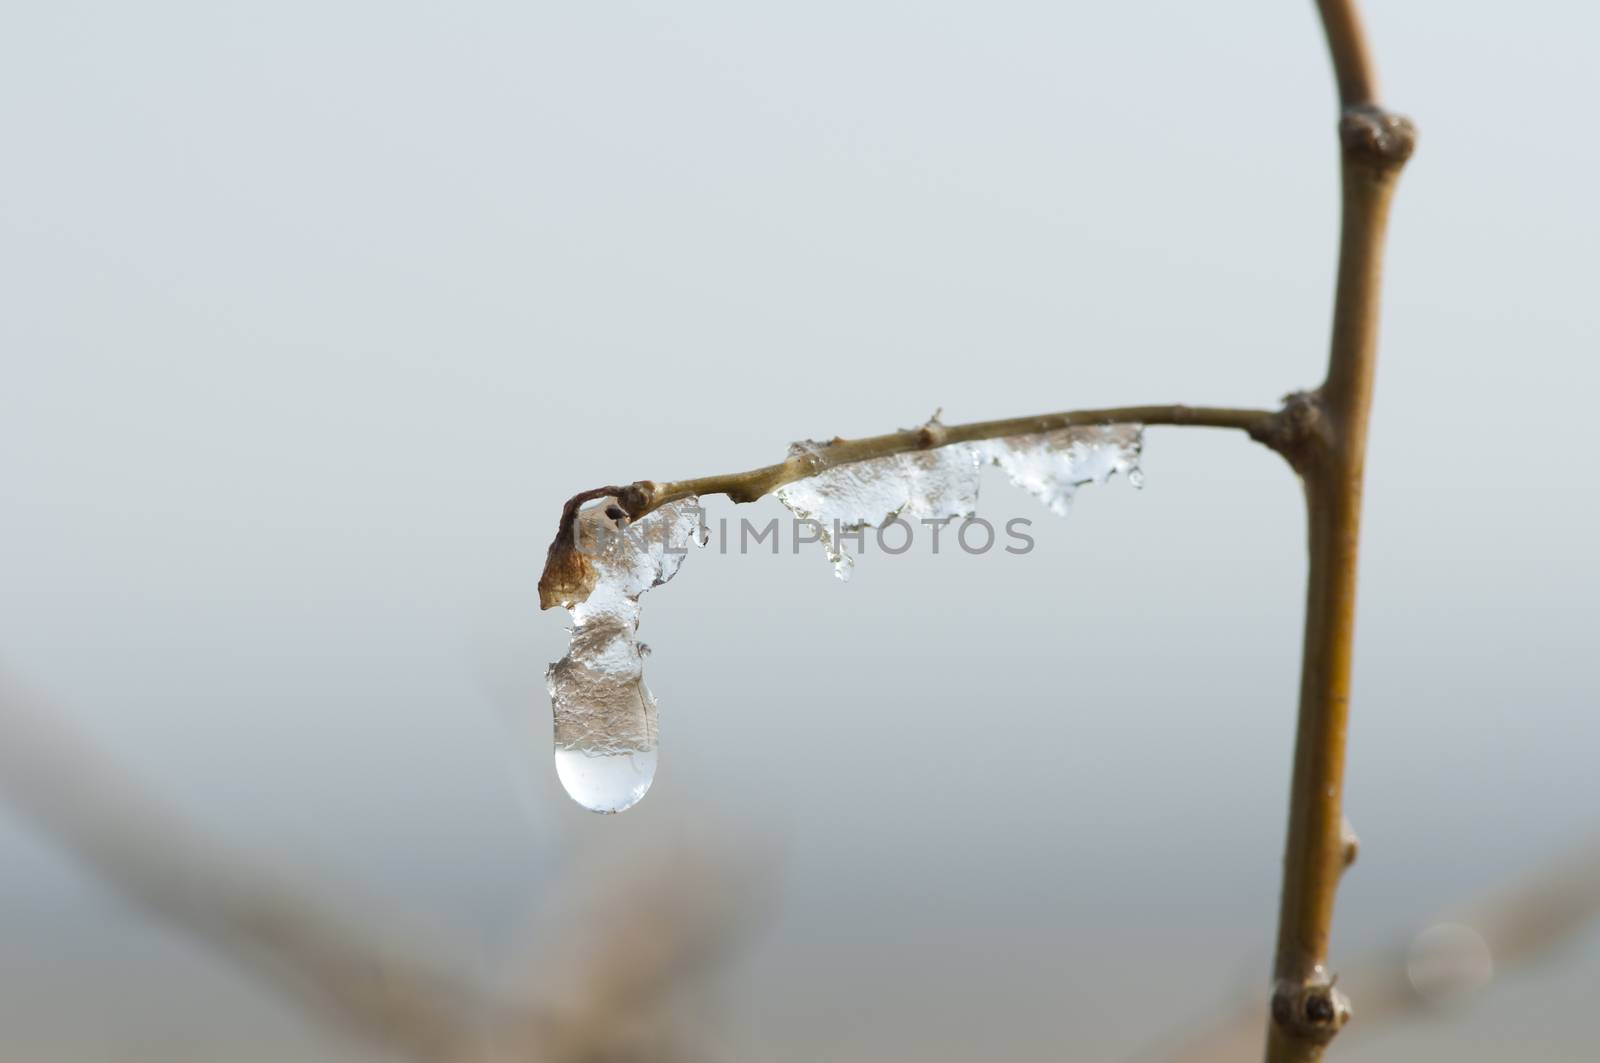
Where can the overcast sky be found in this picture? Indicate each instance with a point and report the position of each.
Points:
(314, 314)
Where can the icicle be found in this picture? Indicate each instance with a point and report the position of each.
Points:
(605, 716)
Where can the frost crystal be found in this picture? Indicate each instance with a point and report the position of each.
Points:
(605, 717)
(942, 483)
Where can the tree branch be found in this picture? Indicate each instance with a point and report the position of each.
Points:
(1347, 47)
(409, 1004)
(638, 934)
(1307, 1010)
(1518, 924)
(565, 570)
(749, 486)
(1323, 433)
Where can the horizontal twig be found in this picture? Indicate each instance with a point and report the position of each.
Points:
(754, 484)
(568, 577)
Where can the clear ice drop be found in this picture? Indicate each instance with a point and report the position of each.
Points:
(605, 716)
(606, 783)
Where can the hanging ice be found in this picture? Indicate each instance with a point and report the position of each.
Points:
(923, 484)
(1051, 466)
(605, 716)
(600, 563)
(942, 482)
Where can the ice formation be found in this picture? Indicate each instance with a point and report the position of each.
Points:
(605, 716)
(923, 484)
(943, 482)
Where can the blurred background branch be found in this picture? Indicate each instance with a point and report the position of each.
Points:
(629, 936)
(638, 935)
(1454, 955)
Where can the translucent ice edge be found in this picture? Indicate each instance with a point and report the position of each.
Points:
(942, 483)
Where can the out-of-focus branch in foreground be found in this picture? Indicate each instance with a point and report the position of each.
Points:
(633, 946)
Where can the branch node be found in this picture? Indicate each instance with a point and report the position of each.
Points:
(740, 494)
(1298, 430)
(932, 435)
(638, 498)
(1370, 134)
(1312, 1010)
(1350, 845)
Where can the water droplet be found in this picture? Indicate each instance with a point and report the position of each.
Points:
(604, 782)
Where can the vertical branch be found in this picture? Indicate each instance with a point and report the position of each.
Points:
(1307, 1010)
(1347, 47)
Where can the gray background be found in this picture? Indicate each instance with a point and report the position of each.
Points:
(314, 314)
